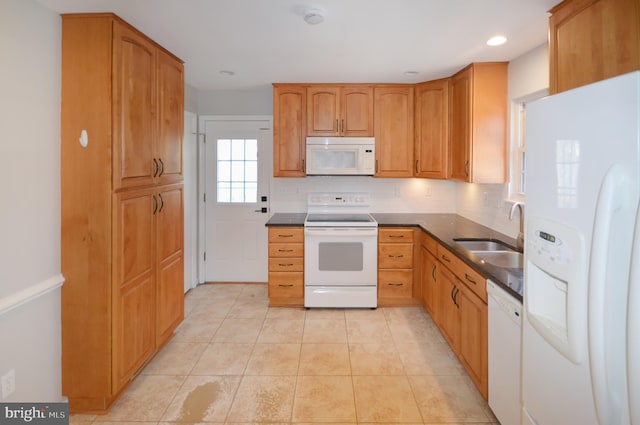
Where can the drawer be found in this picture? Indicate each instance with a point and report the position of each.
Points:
(395, 256)
(286, 250)
(286, 264)
(392, 235)
(474, 280)
(286, 234)
(286, 284)
(395, 283)
(429, 243)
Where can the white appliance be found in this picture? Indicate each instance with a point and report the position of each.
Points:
(340, 156)
(582, 198)
(505, 330)
(340, 252)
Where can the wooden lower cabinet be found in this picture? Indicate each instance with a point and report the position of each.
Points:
(286, 266)
(395, 266)
(455, 296)
(428, 274)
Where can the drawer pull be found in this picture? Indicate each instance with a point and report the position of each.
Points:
(466, 276)
(285, 250)
(285, 264)
(395, 284)
(396, 256)
(445, 258)
(288, 285)
(396, 236)
(285, 236)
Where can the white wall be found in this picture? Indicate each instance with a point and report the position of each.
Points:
(30, 194)
(528, 76)
(254, 101)
(190, 163)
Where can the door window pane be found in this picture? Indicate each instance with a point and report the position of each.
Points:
(237, 164)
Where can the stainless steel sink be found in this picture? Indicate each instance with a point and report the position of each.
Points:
(482, 245)
(508, 259)
(493, 252)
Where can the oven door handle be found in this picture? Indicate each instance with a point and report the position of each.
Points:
(341, 231)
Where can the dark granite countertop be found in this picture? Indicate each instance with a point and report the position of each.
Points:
(444, 228)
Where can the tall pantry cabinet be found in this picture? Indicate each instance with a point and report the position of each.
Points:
(122, 205)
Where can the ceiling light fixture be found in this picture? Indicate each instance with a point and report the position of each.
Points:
(227, 73)
(497, 40)
(411, 73)
(313, 16)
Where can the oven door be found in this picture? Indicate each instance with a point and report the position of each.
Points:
(340, 256)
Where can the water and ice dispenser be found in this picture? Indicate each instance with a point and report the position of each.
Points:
(556, 285)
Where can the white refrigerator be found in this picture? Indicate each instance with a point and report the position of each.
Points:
(581, 342)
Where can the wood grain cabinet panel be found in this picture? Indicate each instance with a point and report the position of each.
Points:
(432, 129)
(478, 123)
(393, 124)
(591, 40)
(122, 235)
(286, 266)
(396, 266)
(289, 130)
(336, 111)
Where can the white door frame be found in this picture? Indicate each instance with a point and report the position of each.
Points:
(201, 177)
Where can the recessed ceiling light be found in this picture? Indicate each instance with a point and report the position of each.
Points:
(313, 16)
(411, 73)
(498, 40)
(227, 73)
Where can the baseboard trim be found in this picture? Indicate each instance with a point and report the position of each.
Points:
(29, 294)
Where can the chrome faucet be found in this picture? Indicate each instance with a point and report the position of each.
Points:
(520, 240)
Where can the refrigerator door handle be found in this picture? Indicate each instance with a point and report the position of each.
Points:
(633, 328)
(612, 200)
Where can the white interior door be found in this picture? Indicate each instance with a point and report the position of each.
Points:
(238, 163)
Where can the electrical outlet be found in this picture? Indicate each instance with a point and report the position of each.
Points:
(8, 381)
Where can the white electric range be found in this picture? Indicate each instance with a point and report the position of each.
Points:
(340, 251)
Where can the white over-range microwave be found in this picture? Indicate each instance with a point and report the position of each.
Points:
(345, 156)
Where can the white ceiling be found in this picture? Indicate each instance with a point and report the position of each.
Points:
(376, 41)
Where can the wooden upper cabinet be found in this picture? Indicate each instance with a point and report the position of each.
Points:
(394, 130)
(170, 122)
(477, 123)
(289, 130)
(591, 40)
(148, 111)
(133, 108)
(339, 111)
(432, 129)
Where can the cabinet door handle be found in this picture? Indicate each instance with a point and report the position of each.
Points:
(466, 168)
(376, 166)
(303, 169)
(466, 276)
(395, 284)
(155, 204)
(433, 273)
(282, 285)
(155, 167)
(161, 202)
(161, 167)
(417, 167)
(444, 257)
(337, 128)
(454, 295)
(342, 130)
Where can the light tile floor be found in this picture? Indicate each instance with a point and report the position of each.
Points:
(234, 359)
